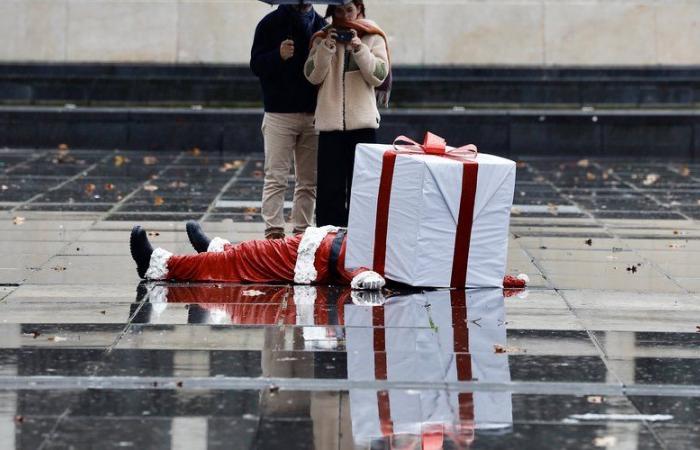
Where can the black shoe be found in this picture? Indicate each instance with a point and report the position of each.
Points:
(141, 250)
(198, 239)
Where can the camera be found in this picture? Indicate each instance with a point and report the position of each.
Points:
(343, 35)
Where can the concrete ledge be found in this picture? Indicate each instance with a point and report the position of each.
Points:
(671, 133)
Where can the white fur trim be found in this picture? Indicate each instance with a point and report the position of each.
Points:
(304, 270)
(367, 298)
(158, 266)
(524, 277)
(367, 280)
(304, 300)
(158, 297)
(216, 245)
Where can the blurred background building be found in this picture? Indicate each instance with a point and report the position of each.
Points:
(515, 77)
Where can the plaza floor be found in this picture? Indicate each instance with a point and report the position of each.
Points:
(601, 351)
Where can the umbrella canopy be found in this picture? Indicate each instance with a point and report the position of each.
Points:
(296, 2)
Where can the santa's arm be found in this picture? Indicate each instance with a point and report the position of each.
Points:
(363, 278)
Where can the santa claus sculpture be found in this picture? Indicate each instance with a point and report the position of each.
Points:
(315, 257)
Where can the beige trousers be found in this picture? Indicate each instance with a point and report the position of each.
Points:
(289, 137)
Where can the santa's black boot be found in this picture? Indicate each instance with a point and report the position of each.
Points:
(198, 239)
(141, 250)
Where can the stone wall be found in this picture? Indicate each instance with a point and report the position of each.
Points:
(432, 32)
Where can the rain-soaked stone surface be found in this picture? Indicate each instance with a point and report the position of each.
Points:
(601, 351)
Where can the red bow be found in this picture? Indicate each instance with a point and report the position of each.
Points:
(433, 145)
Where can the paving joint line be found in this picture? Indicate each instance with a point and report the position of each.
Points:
(225, 187)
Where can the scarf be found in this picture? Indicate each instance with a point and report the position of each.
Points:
(304, 19)
(365, 27)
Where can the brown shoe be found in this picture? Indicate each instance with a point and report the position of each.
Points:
(275, 235)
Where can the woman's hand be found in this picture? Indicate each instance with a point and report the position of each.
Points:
(355, 42)
(329, 42)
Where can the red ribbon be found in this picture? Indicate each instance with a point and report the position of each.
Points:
(432, 145)
(460, 340)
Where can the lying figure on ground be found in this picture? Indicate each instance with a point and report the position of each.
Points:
(315, 257)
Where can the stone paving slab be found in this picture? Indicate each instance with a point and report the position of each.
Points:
(592, 355)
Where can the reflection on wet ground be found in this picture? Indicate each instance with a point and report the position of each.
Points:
(600, 352)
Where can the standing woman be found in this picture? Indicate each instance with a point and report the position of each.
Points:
(348, 60)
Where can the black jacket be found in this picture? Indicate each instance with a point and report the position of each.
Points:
(284, 87)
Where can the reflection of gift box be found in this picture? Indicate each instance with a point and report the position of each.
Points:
(430, 220)
(430, 338)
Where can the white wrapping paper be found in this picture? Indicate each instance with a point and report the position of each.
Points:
(419, 345)
(423, 212)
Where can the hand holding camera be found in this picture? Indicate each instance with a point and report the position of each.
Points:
(286, 49)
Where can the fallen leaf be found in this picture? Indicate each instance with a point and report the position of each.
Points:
(252, 293)
(179, 384)
(103, 312)
(650, 179)
(685, 171)
(588, 242)
(150, 160)
(195, 151)
(605, 441)
(583, 163)
(58, 268)
(153, 233)
(109, 187)
(590, 176)
(233, 165)
(158, 200)
(90, 188)
(596, 399)
(553, 209)
(120, 160)
(497, 348)
(18, 220)
(150, 187)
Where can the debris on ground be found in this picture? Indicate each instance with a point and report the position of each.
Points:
(497, 348)
(158, 200)
(153, 233)
(33, 334)
(56, 339)
(150, 160)
(59, 268)
(583, 163)
(150, 187)
(18, 220)
(120, 160)
(605, 441)
(650, 179)
(595, 399)
(588, 242)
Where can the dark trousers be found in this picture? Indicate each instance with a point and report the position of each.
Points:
(336, 157)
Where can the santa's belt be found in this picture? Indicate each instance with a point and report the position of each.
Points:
(336, 245)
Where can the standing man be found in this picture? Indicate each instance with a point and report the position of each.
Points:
(280, 48)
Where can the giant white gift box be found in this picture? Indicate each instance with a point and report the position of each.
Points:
(422, 221)
(421, 340)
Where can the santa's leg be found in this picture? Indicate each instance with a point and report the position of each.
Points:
(159, 264)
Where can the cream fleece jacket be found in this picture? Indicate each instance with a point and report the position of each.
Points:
(346, 99)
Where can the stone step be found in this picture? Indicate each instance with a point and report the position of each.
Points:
(509, 132)
(236, 86)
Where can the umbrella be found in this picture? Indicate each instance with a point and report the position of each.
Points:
(296, 2)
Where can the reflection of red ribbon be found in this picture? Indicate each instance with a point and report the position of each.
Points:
(433, 434)
(432, 145)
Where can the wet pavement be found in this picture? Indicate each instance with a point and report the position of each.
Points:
(601, 351)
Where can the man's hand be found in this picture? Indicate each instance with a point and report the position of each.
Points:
(368, 280)
(287, 49)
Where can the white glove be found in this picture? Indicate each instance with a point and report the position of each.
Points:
(368, 298)
(368, 280)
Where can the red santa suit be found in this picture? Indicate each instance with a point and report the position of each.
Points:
(317, 256)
